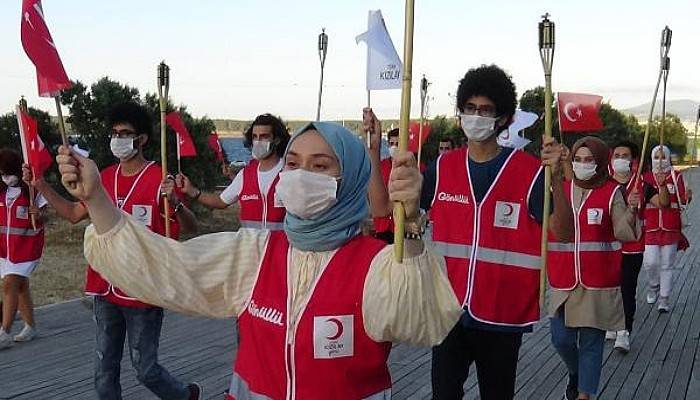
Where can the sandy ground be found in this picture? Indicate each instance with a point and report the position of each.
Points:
(60, 274)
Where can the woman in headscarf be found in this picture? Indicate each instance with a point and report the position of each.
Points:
(318, 304)
(662, 226)
(585, 274)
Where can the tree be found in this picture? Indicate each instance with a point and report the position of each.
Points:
(441, 128)
(675, 135)
(88, 118)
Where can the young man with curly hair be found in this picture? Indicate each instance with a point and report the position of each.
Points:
(486, 205)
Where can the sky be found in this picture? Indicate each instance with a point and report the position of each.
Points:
(238, 58)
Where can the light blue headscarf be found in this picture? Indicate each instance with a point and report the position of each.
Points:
(341, 222)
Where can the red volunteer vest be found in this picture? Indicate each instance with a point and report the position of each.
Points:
(636, 247)
(257, 212)
(669, 218)
(142, 201)
(328, 355)
(20, 242)
(594, 260)
(384, 224)
(492, 248)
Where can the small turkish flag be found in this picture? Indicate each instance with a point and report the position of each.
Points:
(185, 146)
(215, 146)
(414, 133)
(33, 149)
(40, 48)
(579, 112)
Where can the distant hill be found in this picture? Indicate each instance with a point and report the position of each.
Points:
(686, 110)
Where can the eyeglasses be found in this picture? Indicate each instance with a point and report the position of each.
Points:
(122, 133)
(445, 148)
(482, 110)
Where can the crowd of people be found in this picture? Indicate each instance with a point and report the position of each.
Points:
(318, 303)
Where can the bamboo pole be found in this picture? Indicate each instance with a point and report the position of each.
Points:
(399, 211)
(163, 87)
(546, 45)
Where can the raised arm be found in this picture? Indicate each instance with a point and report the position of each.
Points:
(66, 209)
(211, 200)
(379, 203)
(210, 275)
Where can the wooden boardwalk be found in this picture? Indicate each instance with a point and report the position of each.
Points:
(664, 362)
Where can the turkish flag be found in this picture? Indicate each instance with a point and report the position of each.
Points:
(33, 149)
(40, 48)
(185, 146)
(579, 112)
(413, 134)
(215, 146)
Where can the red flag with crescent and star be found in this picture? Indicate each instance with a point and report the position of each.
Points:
(40, 48)
(185, 146)
(215, 146)
(579, 112)
(413, 134)
(33, 150)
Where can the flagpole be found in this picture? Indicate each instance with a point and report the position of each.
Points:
(61, 124)
(546, 45)
(665, 68)
(322, 50)
(665, 46)
(369, 104)
(423, 97)
(23, 108)
(399, 211)
(695, 140)
(163, 87)
(179, 165)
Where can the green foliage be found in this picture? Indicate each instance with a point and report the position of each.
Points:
(88, 118)
(675, 135)
(441, 128)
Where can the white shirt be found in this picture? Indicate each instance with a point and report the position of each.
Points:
(265, 178)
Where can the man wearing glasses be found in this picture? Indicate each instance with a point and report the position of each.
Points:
(135, 186)
(486, 205)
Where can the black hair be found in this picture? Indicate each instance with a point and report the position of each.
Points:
(280, 133)
(11, 164)
(449, 140)
(634, 149)
(133, 114)
(392, 133)
(492, 82)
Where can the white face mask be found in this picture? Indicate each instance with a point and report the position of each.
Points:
(621, 166)
(261, 149)
(306, 194)
(10, 180)
(660, 165)
(393, 150)
(478, 128)
(123, 148)
(584, 171)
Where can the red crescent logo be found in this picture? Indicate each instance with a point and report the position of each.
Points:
(142, 211)
(596, 212)
(338, 327)
(510, 209)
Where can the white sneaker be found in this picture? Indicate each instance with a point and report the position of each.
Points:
(663, 305)
(652, 296)
(610, 335)
(5, 340)
(622, 342)
(28, 333)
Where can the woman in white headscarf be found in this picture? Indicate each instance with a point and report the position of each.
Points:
(663, 226)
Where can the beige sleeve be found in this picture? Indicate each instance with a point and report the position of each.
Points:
(411, 302)
(626, 226)
(211, 275)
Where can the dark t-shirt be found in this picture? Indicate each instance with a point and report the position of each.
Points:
(482, 176)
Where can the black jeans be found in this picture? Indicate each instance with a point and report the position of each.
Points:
(631, 265)
(494, 353)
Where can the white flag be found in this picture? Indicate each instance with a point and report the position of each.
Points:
(510, 136)
(384, 68)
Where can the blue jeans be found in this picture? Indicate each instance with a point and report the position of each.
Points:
(582, 352)
(142, 326)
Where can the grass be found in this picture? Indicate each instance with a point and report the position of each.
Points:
(60, 275)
